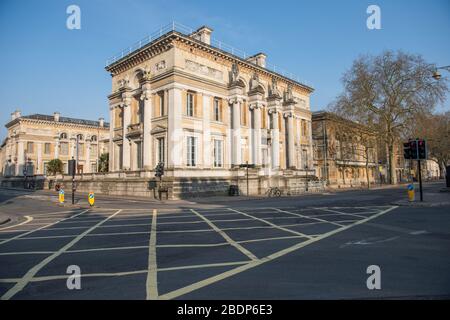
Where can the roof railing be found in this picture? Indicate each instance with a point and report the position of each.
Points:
(175, 26)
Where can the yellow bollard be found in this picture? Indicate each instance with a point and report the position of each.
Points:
(411, 193)
(91, 199)
(61, 196)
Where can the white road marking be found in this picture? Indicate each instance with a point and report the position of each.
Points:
(308, 217)
(272, 224)
(227, 238)
(49, 225)
(206, 282)
(28, 219)
(152, 274)
(341, 213)
(33, 271)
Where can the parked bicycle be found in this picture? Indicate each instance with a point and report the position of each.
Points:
(273, 192)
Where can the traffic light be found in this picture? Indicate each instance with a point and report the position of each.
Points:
(413, 148)
(159, 170)
(406, 150)
(422, 149)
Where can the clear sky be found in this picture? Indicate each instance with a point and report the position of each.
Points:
(45, 67)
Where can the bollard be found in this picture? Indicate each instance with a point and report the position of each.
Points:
(61, 196)
(411, 193)
(91, 199)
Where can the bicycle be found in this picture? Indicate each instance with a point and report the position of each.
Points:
(273, 192)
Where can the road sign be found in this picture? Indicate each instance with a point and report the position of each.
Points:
(61, 196)
(91, 199)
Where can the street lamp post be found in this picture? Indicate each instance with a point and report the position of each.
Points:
(306, 170)
(437, 75)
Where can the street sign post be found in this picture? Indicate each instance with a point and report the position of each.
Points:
(72, 169)
(247, 166)
(91, 199)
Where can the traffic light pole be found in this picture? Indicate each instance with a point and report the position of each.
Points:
(420, 180)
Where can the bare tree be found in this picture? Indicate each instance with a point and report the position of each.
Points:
(387, 92)
(435, 128)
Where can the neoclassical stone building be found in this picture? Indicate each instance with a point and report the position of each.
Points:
(203, 111)
(345, 152)
(36, 139)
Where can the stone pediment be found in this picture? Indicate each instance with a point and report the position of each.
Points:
(158, 129)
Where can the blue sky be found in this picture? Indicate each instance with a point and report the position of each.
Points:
(46, 67)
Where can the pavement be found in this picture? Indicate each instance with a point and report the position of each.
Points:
(309, 247)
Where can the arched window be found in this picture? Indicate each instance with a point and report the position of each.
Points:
(80, 137)
(63, 135)
(94, 138)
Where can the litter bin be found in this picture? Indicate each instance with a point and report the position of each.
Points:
(233, 191)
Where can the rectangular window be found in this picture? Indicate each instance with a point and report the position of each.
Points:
(139, 154)
(191, 151)
(47, 147)
(190, 104)
(64, 148)
(30, 147)
(80, 150)
(217, 111)
(218, 153)
(45, 168)
(93, 167)
(93, 152)
(161, 149)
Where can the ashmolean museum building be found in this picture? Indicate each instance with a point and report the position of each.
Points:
(186, 101)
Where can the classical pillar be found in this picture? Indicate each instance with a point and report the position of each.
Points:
(87, 156)
(56, 147)
(174, 131)
(257, 151)
(147, 128)
(275, 132)
(207, 154)
(126, 156)
(236, 131)
(112, 149)
(290, 142)
(20, 158)
(39, 158)
(229, 139)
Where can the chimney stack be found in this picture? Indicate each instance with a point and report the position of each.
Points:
(203, 34)
(56, 116)
(16, 114)
(101, 122)
(259, 59)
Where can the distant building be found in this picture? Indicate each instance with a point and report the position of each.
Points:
(345, 152)
(34, 140)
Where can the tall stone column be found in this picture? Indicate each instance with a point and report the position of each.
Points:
(257, 151)
(229, 139)
(174, 131)
(236, 131)
(56, 152)
(126, 156)
(207, 154)
(112, 149)
(39, 158)
(147, 127)
(87, 156)
(275, 141)
(290, 142)
(20, 158)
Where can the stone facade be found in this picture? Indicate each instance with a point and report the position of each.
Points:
(345, 153)
(34, 140)
(202, 112)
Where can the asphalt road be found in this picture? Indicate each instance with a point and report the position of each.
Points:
(309, 247)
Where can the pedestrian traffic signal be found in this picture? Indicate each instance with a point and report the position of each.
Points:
(422, 149)
(159, 170)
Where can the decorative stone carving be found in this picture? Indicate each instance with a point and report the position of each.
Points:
(234, 74)
(288, 96)
(274, 92)
(204, 70)
(124, 83)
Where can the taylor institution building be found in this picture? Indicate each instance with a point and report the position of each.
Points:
(203, 110)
